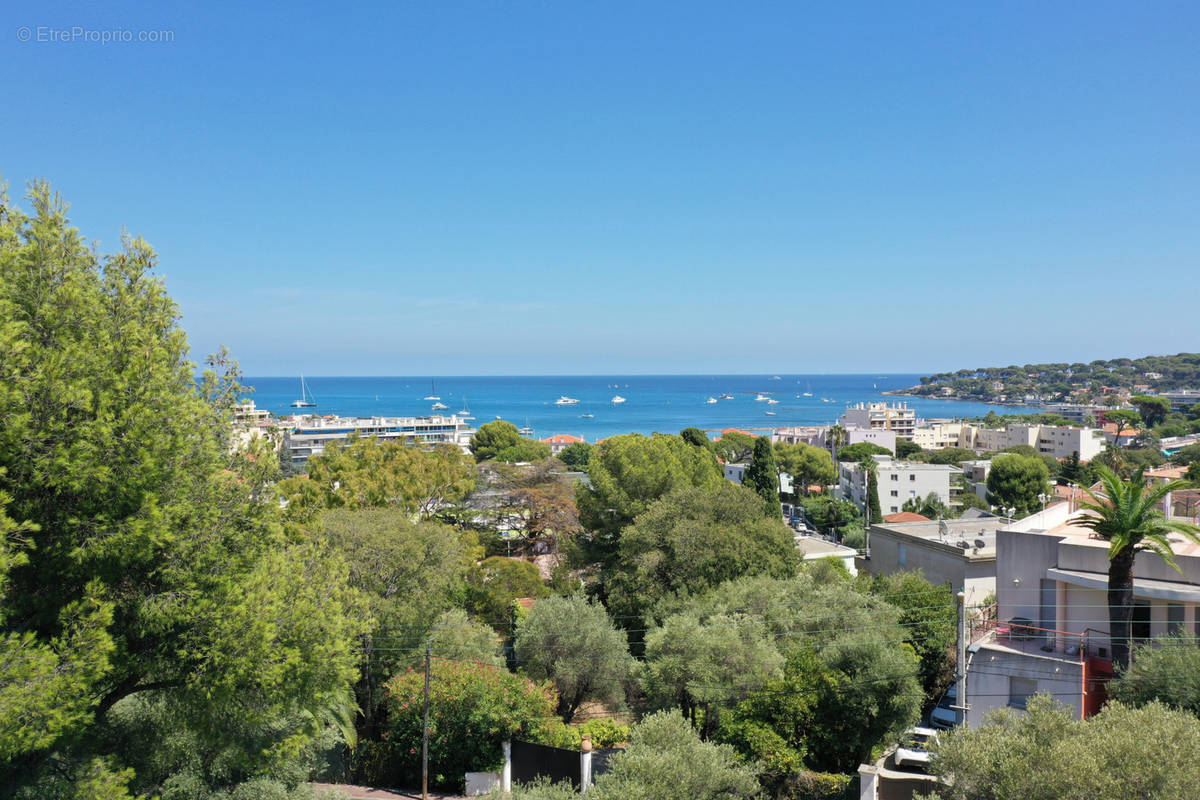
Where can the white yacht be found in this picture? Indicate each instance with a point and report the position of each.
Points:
(771, 401)
(433, 395)
(726, 396)
(761, 397)
(440, 406)
(617, 399)
(566, 401)
(711, 401)
(770, 413)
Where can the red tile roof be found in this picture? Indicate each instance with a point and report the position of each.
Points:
(906, 516)
(563, 438)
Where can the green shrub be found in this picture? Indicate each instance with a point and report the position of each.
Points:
(604, 732)
(473, 708)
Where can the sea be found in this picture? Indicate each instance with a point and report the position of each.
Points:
(653, 403)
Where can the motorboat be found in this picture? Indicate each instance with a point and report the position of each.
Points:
(726, 396)
(770, 413)
(586, 416)
(761, 397)
(771, 401)
(566, 401)
(440, 406)
(711, 401)
(617, 399)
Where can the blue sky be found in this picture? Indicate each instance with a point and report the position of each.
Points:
(535, 187)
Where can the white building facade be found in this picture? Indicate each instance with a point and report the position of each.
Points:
(308, 436)
(897, 417)
(899, 481)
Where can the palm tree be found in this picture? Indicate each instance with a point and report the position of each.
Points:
(835, 439)
(1129, 516)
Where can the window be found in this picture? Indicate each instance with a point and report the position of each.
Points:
(912, 477)
(1020, 690)
(1139, 624)
(1174, 618)
(894, 494)
(895, 477)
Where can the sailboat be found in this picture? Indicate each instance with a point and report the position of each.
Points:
(306, 399)
(526, 431)
(466, 409)
(808, 390)
(432, 391)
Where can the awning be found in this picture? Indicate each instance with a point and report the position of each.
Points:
(1142, 587)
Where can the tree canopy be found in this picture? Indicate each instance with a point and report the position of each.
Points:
(1015, 481)
(763, 475)
(806, 464)
(1044, 754)
(500, 440)
(692, 540)
(151, 567)
(726, 658)
(365, 472)
(860, 450)
(627, 473)
(1153, 410)
(576, 455)
(573, 644)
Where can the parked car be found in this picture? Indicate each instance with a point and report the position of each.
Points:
(943, 717)
(914, 747)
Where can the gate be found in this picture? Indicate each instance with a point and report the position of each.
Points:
(531, 760)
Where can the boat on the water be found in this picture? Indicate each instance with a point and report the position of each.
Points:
(526, 431)
(711, 401)
(440, 406)
(306, 399)
(726, 396)
(761, 397)
(771, 401)
(617, 399)
(566, 401)
(433, 395)
(586, 416)
(770, 413)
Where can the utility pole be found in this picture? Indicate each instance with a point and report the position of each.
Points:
(425, 732)
(960, 668)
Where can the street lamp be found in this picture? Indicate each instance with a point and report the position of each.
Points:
(1042, 498)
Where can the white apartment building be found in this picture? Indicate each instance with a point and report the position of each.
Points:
(306, 436)
(818, 436)
(899, 481)
(1059, 441)
(1050, 630)
(896, 417)
(937, 435)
